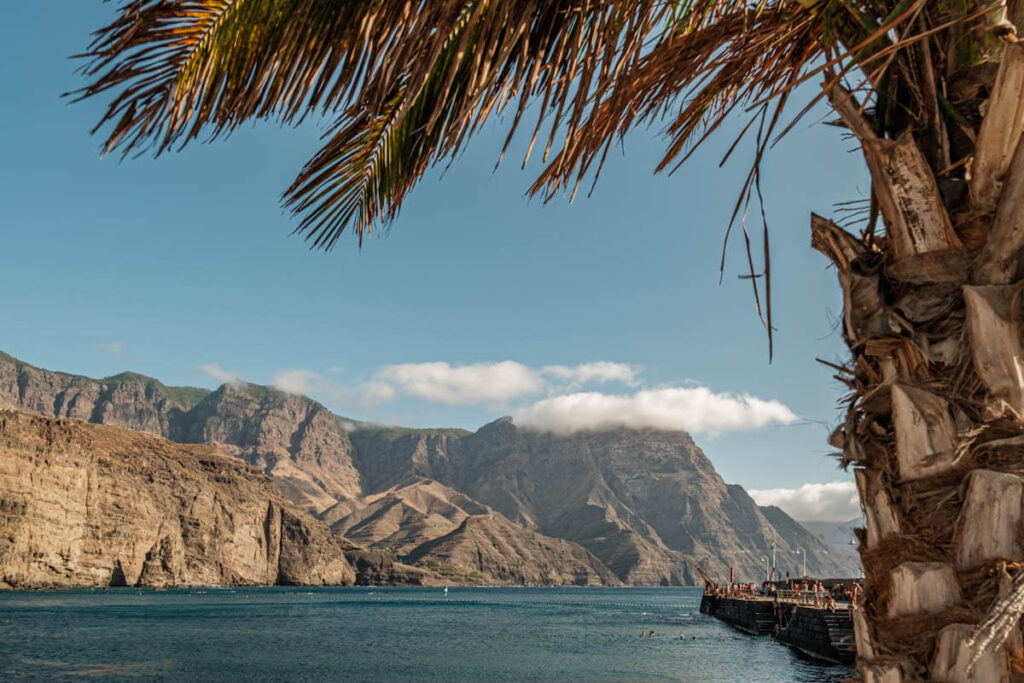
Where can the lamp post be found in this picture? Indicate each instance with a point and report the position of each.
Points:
(803, 554)
(767, 571)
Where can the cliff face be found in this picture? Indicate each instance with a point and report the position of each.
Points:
(298, 442)
(294, 440)
(385, 456)
(126, 400)
(648, 504)
(378, 568)
(404, 516)
(429, 524)
(86, 505)
(491, 545)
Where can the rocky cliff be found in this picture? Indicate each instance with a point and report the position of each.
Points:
(491, 545)
(87, 505)
(298, 442)
(126, 400)
(648, 504)
(431, 525)
(379, 568)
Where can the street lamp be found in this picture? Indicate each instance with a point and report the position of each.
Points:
(767, 571)
(803, 553)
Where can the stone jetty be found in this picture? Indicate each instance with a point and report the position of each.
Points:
(816, 632)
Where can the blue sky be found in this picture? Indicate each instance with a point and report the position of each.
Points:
(171, 265)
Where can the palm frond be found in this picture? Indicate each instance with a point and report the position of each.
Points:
(410, 82)
(358, 177)
(732, 57)
(179, 67)
(696, 76)
(372, 159)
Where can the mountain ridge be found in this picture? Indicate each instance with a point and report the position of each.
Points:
(647, 503)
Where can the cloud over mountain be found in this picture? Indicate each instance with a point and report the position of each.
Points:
(584, 373)
(489, 384)
(218, 374)
(462, 384)
(693, 409)
(517, 387)
(832, 502)
(306, 382)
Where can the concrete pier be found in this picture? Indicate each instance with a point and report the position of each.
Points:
(818, 633)
(750, 616)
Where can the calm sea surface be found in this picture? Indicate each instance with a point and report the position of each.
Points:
(378, 634)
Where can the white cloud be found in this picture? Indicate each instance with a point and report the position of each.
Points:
(514, 386)
(492, 384)
(116, 348)
(601, 371)
(462, 384)
(307, 382)
(693, 409)
(218, 374)
(298, 381)
(835, 501)
(371, 394)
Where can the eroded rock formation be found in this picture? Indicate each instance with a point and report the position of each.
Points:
(89, 505)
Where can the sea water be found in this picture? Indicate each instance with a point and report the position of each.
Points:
(384, 634)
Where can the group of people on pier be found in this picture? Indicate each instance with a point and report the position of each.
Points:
(799, 593)
(735, 590)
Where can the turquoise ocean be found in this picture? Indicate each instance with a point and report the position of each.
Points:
(383, 634)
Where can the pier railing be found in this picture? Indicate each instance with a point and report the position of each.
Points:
(797, 597)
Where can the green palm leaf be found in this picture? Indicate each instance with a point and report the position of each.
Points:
(410, 82)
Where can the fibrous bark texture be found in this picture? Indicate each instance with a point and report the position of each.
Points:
(933, 319)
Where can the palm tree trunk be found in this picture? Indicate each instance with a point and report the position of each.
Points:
(933, 320)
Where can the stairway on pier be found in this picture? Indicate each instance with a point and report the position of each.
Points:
(764, 617)
(840, 633)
